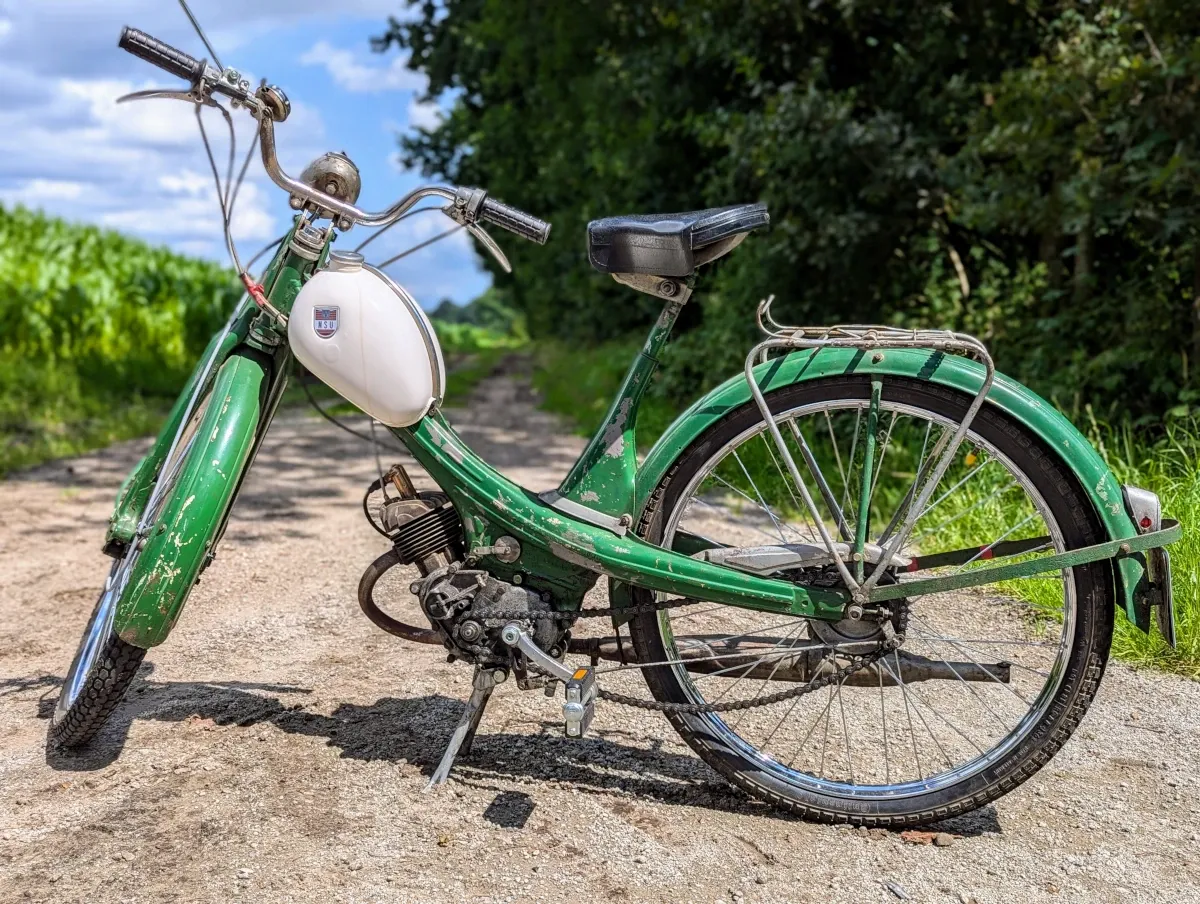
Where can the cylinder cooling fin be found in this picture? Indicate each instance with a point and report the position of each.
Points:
(429, 533)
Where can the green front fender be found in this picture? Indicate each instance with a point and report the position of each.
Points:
(951, 371)
(177, 543)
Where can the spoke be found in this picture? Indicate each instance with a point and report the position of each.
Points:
(985, 550)
(850, 459)
(908, 713)
(933, 636)
(761, 501)
(825, 736)
(754, 527)
(965, 683)
(887, 758)
(846, 734)
(902, 508)
(887, 440)
(787, 715)
(912, 541)
(787, 481)
(836, 454)
(770, 677)
(864, 492)
(749, 668)
(975, 470)
(812, 728)
(904, 687)
(643, 665)
(996, 643)
(933, 709)
(688, 615)
(814, 468)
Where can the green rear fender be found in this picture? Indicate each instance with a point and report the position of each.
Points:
(947, 370)
(186, 530)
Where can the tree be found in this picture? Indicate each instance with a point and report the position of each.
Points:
(1022, 170)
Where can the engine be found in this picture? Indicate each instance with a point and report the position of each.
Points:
(470, 608)
(466, 608)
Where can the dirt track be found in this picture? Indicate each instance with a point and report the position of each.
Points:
(276, 747)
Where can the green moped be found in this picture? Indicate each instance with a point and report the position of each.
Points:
(869, 579)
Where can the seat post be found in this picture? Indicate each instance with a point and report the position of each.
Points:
(601, 486)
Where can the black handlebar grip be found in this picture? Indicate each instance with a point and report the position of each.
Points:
(523, 224)
(164, 56)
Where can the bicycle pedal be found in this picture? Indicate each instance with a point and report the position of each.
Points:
(580, 704)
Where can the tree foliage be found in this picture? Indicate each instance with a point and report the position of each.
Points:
(1025, 171)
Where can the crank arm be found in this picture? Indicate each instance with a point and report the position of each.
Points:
(579, 684)
(1111, 549)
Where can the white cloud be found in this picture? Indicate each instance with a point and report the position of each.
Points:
(424, 115)
(137, 167)
(140, 167)
(347, 69)
(35, 192)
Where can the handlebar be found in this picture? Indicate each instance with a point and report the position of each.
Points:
(515, 221)
(162, 55)
(230, 84)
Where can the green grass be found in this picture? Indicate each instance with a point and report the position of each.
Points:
(1170, 467)
(580, 384)
(49, 412)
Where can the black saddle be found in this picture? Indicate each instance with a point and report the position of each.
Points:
(670, 244)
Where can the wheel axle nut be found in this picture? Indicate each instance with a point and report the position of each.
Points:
(855, 612)
(470, 631)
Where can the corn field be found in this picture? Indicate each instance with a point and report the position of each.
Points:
(97, 332)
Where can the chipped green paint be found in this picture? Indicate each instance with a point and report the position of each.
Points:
(605, 476)
(946, 370)
(569, 552)
(171, 559)
(135, 490)
(249, 376)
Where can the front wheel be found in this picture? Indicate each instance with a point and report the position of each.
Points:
(177, 533)
(989, 682)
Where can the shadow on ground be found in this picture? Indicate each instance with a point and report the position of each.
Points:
(415, 730)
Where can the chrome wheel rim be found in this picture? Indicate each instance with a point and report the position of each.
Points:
(96, 636)
(922, 631)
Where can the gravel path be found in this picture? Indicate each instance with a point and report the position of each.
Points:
(276, 747)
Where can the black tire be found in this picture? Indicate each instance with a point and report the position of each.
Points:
(115, 662)
(1093, 631)
(116, 665)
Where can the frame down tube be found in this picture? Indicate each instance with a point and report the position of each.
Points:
(491, 506)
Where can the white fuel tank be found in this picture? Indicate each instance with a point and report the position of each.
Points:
(366, 337)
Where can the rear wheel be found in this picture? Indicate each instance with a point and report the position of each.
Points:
(989, 682)
(104, 665)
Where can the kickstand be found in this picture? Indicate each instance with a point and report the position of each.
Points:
(464, 732)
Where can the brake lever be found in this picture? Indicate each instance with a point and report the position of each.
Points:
(166, 94)
(489, 243)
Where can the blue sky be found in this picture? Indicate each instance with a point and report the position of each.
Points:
(140, 168)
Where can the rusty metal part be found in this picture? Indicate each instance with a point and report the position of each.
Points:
(383, 621)
(802, 662)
